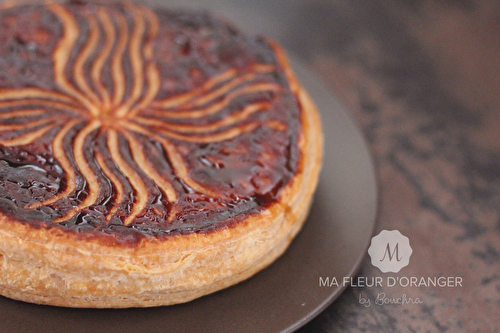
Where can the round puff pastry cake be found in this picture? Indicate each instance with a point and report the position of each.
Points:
(146, 157)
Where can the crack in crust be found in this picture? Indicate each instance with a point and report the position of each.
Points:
(85, 106)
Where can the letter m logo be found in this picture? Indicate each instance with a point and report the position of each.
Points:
(391, 254)
(390, 251)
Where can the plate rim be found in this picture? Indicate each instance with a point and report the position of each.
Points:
(304, 69)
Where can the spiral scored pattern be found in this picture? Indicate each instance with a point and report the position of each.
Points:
(84, 109)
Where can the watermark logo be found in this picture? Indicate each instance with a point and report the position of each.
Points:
(390, 251)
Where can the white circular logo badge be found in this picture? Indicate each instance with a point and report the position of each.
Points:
(390, 251)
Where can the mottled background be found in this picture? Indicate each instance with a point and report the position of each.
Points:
(422, 79)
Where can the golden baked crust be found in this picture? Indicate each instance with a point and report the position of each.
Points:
(50, 263)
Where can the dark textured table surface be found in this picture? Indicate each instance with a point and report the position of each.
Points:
(422, 79)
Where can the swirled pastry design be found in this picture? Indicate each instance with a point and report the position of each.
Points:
(121, 132)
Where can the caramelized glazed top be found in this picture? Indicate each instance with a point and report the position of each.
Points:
(119, 120)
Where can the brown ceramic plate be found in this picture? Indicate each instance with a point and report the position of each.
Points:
(279, 299)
